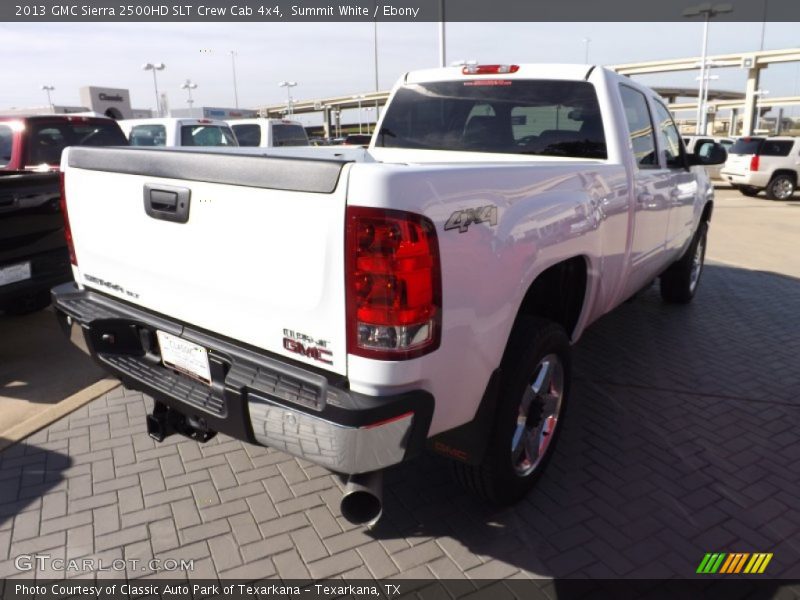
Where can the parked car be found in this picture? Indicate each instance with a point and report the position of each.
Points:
(33, 250)
(758, 163)
(693, 142)
(358, 139)
(355, 306)
(35, 143)
(173, 131)
(269, 133)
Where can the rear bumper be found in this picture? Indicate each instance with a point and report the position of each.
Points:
(755, 179)
(47, 269)
(253, 396)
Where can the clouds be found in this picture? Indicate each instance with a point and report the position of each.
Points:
(332, 58)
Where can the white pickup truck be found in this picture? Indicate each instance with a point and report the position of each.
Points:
(355, 306)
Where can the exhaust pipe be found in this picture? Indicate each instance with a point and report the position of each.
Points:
(362, 502)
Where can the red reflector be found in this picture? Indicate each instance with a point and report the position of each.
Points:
(389, 420)
(393, 281)
(67, 230)
(754, 162)
(489, 69)
(204, 120)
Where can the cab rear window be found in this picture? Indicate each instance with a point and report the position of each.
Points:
(46, 139)
(6, 139)
(542, 117)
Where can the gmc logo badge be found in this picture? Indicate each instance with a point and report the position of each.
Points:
(319, 354)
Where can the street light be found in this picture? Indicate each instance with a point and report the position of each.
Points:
(48, 89)
(235, 87)
(288, 85)
(189, 85)
(155, 67)
(707, 11)
(707, 78)
(586, 42)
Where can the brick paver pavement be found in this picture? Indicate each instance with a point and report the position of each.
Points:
(683, 438)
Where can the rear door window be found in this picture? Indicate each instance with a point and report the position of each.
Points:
(776, 148)
(248, 134)
(640, 127)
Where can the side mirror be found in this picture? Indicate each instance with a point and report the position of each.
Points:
(707, 154)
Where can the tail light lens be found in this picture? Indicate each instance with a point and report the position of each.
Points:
(67, 230)
(754, 160)
(394, 284)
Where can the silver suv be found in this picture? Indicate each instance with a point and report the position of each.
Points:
(770, 164)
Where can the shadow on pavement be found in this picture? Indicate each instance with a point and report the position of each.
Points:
(28, 472)
(683, 438)
(38, 364)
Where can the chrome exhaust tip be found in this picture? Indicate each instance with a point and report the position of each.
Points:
(362, 501)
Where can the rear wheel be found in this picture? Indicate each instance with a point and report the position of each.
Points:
(748, 190)
(529, 416)
(679, 282)
(781, 187)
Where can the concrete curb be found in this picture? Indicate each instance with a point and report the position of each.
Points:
(54, 413)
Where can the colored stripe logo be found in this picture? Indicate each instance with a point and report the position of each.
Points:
(733, 563)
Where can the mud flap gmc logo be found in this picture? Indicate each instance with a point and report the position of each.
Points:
(318, 354)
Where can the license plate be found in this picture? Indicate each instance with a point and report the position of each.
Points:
(184, 356)
(15, 273)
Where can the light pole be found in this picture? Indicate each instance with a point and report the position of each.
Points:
(48, 89)
(189, 85)
(586, 42)
(708, 77)
(235, 88)
(288, 85)
(375, 50)
(707, 11)
(155, 67)
(442, 45)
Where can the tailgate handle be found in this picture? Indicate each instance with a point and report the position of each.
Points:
(167, 203)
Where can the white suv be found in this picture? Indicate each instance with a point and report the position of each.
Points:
(770, 164)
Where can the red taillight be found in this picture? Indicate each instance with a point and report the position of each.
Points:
(754, 161)
(394, 284)
(67, 231)
(489, 69)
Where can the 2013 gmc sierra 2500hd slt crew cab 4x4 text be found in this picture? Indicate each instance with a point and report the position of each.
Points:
(355, 306)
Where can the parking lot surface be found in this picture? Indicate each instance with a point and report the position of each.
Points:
(682, 439)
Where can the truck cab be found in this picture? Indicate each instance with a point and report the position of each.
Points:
(178, 132)
(269, 133)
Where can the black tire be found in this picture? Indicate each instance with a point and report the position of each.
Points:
(781, 187)
(679, 283)
(748, 190)
(498, 479)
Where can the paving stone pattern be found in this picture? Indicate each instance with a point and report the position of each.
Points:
(682, 438)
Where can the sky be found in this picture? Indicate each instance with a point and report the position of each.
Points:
(331, 59)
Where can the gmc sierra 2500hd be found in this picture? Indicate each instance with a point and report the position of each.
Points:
(355, 306)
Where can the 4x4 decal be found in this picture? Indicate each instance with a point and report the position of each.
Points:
(462, 219)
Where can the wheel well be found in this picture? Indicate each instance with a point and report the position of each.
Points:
(789, 172)
(707, 210)
(558, 294)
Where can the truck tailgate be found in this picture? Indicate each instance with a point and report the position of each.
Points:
(259, 258)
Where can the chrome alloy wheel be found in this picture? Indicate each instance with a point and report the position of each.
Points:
(697, 264)
(537, 419)
(783, 188)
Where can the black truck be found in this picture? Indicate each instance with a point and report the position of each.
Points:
(33, 250)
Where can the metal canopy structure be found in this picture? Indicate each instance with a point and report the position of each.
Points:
(752, 62)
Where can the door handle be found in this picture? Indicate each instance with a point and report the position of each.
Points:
(167, 203)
